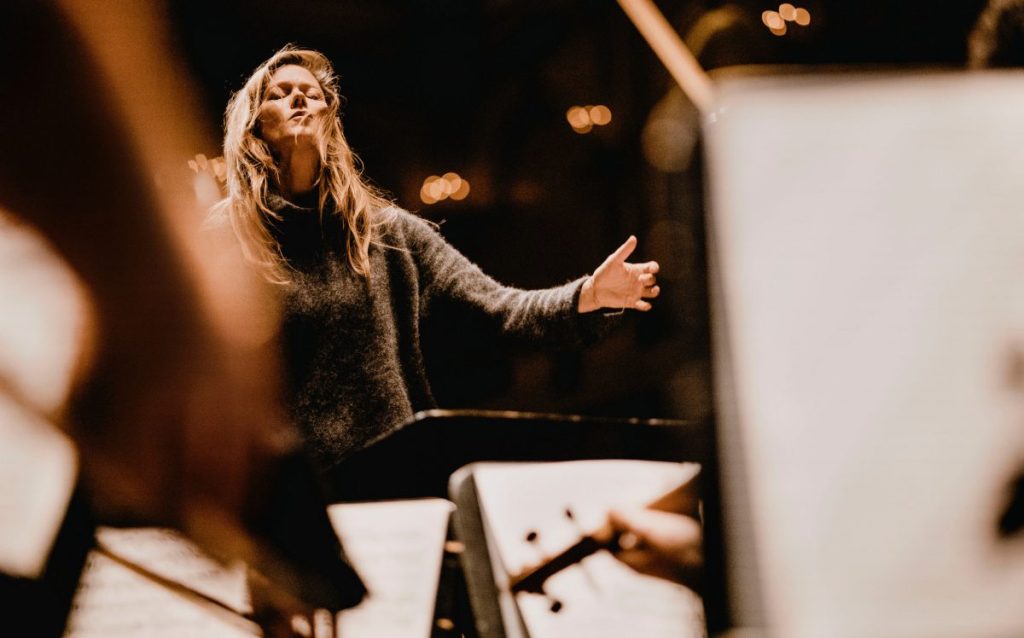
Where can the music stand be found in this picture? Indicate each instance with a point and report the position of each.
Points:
(420, 459)
(417, 460)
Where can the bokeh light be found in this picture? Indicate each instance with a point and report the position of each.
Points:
(462, 192)
(773, 20)
(450, 185)
(578, 117)
(788, 12)
(600, 115)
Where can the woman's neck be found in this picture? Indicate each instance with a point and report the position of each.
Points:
(298, 172)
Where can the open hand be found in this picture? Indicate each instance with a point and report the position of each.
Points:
(618, 284)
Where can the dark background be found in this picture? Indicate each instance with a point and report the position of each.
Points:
(482, 88)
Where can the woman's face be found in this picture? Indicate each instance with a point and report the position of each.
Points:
(287, 115)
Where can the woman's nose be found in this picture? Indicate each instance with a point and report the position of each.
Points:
(298, 99)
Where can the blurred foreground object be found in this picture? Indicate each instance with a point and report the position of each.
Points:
(169, 355)
(867, 246)
(997, 40)
(663, 539)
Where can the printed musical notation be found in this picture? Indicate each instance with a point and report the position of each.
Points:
(524, 508)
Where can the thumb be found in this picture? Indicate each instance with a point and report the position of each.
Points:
(623, 251)
(669, 534)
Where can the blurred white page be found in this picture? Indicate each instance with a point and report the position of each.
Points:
(599, 596)
(113, 601)
(38, 467)
(396, 546)
(43, 329)
(870, 235)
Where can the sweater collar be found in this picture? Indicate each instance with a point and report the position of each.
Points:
(306, 235)
(306, 202)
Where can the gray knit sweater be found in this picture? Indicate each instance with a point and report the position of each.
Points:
(352, 346)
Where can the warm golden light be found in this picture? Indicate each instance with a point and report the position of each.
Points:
(772, 20)
(583, 130)
(578, 117)
(436, 189)
(431, 193)
(780, 31)
(452, 181)
(600, 115)
(802, 17)
(425, 195)
(462, 192)
(787, 12)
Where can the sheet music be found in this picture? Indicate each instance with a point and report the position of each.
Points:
(113, 601)
(396, 546)
(599, 596)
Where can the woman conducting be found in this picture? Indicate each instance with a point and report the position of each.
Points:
(357, 273)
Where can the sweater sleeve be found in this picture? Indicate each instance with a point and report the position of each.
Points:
(549, 316)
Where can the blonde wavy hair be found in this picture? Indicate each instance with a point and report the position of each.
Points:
(252, 172)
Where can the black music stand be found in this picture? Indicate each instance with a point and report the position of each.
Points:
(417, 460)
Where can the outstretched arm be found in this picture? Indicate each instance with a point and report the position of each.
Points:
(547, 317)
(619, 284)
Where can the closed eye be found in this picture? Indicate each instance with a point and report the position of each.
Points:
(284, 89)
(275, 93)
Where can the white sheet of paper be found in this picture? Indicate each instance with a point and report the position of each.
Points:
(113, 602)
(599, 596)
(871, 241)
(38, 468)
(396, 546)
